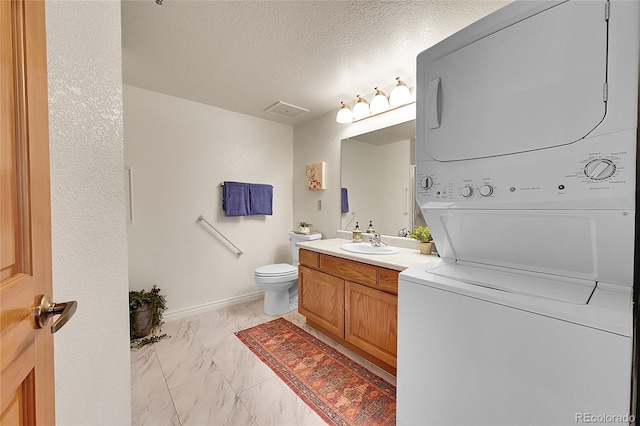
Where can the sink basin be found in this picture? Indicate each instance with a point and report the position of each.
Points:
(366, 248)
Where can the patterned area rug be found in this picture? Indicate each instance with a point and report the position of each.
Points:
(341, 391)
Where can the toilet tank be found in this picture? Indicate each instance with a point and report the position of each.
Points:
(298, 238)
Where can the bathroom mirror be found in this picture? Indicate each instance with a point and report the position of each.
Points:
(377, 168)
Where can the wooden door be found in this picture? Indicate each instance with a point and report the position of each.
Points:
(372, 321)
(321, 300)
(26, 352)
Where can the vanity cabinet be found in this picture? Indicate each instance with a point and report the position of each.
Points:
(353, 302)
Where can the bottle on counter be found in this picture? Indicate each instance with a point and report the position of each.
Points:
(357, 234)
(371, 229)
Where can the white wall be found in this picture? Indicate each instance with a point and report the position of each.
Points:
(320, 140)
(88, 226)
(314, 141)
(180, 152)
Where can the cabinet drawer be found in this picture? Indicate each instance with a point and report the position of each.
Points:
(349, 270)
(389, 280)
(309, 258)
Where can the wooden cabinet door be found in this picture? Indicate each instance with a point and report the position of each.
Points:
(26, 353)
(321, 299)
(372, 321)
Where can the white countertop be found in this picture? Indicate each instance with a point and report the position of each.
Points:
(406, 258)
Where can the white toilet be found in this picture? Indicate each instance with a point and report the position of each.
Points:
(280, 281)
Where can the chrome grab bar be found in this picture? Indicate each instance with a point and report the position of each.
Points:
(202, 219)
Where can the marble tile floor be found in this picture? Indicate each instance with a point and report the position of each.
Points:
(204, 375)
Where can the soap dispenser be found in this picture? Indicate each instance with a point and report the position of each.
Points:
(357, 234)
(371, 229)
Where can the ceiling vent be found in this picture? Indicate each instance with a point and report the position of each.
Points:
(286, 110)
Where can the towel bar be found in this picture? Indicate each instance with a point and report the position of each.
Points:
(202, 219)
(222, 184)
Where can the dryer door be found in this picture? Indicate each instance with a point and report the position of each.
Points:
(531, 85)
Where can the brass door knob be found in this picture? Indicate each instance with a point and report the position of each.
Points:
(46, 309)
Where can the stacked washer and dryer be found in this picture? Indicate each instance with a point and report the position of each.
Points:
(527, 128)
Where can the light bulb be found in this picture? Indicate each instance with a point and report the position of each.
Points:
(400, 95)
(379, 103)
(344, 114)
(361, 108)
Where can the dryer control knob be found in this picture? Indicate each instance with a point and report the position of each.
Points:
(600, 169)
(486, 190)
(426, 182)
(466, 191)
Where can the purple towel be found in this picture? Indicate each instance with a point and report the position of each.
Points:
(235, 199)
(344, 201)
(261, 199)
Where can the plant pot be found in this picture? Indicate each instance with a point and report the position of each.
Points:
(141, 320)
(426, 248)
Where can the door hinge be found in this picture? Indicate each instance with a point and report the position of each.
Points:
(607, 10)
(605, 92)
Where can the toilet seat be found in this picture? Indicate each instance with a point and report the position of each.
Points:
(278, 270)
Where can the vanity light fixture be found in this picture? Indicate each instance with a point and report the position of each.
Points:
(379, 103)
(400, 94)
(361, 108)
(345, 115)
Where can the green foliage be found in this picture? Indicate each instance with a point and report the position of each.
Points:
(305, 224)
(158, 304)
(152, 338)
(422, 234)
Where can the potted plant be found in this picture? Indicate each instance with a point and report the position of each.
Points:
(423, 234)
(146, 309)
(304, 228)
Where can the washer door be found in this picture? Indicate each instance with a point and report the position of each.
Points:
(534, 84)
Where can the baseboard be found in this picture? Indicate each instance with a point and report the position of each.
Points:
(211, 306)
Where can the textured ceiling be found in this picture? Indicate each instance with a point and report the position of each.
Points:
(244, 56)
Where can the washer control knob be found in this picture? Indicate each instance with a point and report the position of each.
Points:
(486, 190)
(426, 182)
(600, 169)
(466, 191)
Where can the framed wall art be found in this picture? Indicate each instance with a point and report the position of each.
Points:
(315, 176)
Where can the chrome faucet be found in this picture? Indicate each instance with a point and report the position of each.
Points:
(375, 240)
